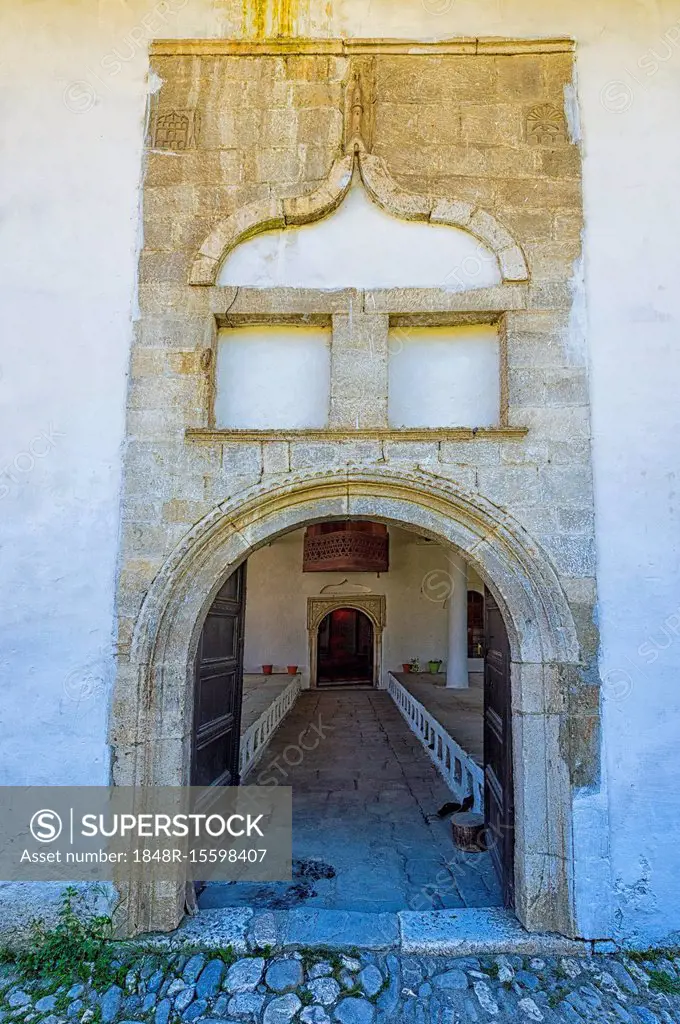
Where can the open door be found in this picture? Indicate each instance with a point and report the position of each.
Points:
(219, 688)
(498, 786)
(345, 648)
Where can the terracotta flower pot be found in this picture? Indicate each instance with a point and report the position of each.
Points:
(406, 668)
(292, 670)
(267, 670)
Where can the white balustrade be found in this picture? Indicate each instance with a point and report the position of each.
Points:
(462, 775)
(256, 738)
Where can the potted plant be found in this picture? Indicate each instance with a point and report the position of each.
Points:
(415, 665)
(406, 666)
(267, 670)
(292, 670)
(435, 664)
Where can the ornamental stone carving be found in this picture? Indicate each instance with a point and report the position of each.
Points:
(268, 214)
(373, 605)
(546, 125)
(176, 130)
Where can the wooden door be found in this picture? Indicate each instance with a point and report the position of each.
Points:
(345, 648)
(498, 786)
(219, 688)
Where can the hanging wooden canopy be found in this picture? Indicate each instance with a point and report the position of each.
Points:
(346, 547)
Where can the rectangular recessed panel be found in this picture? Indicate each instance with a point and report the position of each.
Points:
(216, 697)
(444, 377)
(272, 378)
(212, 761)
(220, 636)
(230, 591)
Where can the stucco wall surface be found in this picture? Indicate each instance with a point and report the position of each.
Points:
(74, 99)
(416, 602)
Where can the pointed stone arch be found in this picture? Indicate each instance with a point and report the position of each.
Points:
(272, 214)
(152, 708)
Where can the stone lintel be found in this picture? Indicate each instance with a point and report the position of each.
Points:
(201, 435)
(480, 305)
(498, 298)
(228, 303)
(348, 47)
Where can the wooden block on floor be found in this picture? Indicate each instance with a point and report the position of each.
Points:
(468, 831)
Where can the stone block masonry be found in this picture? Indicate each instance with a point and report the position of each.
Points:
(240, 141)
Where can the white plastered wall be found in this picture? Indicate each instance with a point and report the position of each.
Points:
(74, 92)
(444, 376)
(273, 377)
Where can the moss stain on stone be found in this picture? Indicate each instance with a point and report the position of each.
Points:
(283, 17)
(285, 11)
(255, 18)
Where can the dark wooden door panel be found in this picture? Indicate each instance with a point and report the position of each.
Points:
(499, 799)
(218, 688)
(345, 648)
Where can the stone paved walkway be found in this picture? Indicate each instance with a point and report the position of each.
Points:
(321, 988)
(364, 793)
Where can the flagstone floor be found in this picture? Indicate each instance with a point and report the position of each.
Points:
(365, 832)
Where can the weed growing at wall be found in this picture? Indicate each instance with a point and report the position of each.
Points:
(662, 981)
(77, 948)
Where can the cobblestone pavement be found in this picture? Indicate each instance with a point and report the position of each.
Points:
(364, 796)
(317, 988)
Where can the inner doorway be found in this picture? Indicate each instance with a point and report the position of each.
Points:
(345, 648)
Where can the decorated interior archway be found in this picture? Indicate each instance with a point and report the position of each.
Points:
(373, 606)
(152, 711)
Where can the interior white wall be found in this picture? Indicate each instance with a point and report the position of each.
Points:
(415, 589)
(273, 377)
(361, 246)
(444, 377)
(73, 114)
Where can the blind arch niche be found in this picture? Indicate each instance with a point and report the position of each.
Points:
(359, 245)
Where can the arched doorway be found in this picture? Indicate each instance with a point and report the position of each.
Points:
(345, 649)
(152, 713)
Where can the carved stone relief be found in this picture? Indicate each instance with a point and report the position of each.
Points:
(372, 605)
(176, 130)
(359, 107)
(546, 125)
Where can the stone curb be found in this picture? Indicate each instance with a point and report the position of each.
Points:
(468, 932)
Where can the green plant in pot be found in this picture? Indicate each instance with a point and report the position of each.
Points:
(435, 665)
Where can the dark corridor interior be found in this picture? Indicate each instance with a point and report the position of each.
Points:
(345, 648)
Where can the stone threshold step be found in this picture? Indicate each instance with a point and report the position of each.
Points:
(468, 932)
